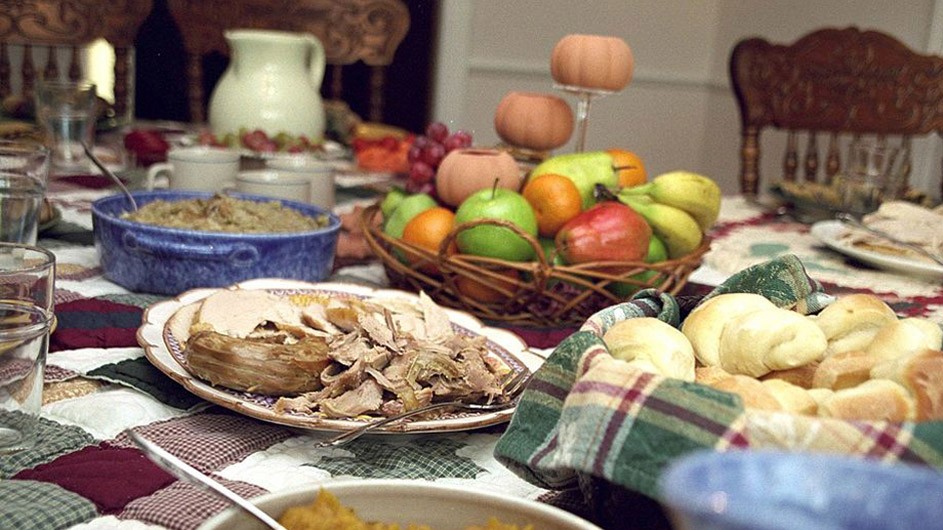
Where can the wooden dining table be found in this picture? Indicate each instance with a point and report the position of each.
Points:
(85, 473)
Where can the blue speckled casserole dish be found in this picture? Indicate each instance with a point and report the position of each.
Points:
(154, 259)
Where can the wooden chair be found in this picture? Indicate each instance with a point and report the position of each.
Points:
(63, 27)
(836, 84)
(350, 30)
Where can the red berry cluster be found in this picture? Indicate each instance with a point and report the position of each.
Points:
(427, 153)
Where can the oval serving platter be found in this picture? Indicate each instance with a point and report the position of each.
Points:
(165, 352)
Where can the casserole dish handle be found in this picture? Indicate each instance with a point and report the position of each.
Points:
(237, 254)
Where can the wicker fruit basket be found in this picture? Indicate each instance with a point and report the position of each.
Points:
(534, 293)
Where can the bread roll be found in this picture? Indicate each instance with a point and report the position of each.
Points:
(653, 340)
(875, 400)
(844, 370)
(753, 393)
(819, 395)
(905, 336)
(704, 325)
(851, 322)
(708, 375)
(800, 376)
(644, 365)
(791, 397)
(764, 340)
(921, 373)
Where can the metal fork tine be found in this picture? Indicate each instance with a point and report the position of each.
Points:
(514, 386)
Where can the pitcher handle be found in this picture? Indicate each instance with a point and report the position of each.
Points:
(316, 63)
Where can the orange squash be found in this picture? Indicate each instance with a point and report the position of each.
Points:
(465, 171)
(592, 61)
(534, 120)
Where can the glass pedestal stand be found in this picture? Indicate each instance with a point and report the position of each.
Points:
(583, 103)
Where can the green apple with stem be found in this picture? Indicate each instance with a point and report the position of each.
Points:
(493, 240)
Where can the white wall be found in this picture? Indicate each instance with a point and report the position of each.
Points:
(678, 111)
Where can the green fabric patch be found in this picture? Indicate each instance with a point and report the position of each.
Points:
(133, 299)
(423, 458)
(50, 441)
(31, 505)
(142, 375)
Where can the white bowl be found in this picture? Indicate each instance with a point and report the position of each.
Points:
(441, 507)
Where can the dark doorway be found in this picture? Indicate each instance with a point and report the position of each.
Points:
(160, 77)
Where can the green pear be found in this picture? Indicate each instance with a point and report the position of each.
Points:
(407, 208)
(584, 169)
(391, 200)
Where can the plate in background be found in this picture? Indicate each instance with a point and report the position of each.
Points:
(830, 233)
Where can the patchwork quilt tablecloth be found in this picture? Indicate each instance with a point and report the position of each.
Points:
(84, 473)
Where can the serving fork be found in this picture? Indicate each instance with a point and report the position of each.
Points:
(512, 388)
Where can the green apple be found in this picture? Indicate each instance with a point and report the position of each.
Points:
(584, 169)
(657, 251)
(407, 208)
(491, 240)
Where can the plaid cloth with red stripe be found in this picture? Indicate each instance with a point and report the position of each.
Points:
(588, 414)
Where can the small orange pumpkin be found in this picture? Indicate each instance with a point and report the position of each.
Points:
(465, 171)
(593, 62)
(533, 120)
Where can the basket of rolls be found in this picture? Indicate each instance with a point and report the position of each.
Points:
(766, 361)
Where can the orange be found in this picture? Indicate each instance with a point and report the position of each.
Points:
(630, 167)
(427, 230)
(482, 290)
(555, 200)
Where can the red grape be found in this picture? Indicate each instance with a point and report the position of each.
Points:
(420, 172)
(433, 154)
(464, 137)
(437, 131)
(413, 154)
(452, 143)
(421, 141)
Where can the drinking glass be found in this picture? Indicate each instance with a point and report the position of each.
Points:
(24, 172)
(875, 173)
(67, 111)
(27, 278)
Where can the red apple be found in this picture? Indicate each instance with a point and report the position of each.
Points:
(608, 231)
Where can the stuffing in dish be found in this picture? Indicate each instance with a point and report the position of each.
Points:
(222, 213)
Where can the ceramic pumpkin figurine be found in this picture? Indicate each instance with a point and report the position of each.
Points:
(593, 62)
(465, 171)
(533, 120)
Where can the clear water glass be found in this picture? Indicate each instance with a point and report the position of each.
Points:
(24, 173)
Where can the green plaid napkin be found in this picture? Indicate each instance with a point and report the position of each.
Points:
(586, 413)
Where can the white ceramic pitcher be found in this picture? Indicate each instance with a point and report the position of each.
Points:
(273, 83)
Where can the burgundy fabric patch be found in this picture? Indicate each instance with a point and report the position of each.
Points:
(92, 182)
(95, 323)
(110, 477)
(540, 337)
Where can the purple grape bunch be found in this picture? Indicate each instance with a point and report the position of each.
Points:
(427, 153)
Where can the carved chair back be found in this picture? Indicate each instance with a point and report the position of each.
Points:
(832, 84)
(350, 30)
(55, 31)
